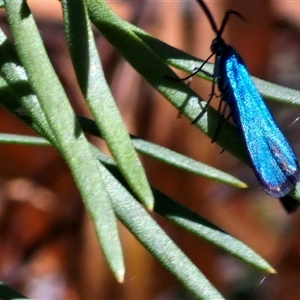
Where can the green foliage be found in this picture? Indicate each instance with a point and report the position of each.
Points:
(117, 188)
(7, 293)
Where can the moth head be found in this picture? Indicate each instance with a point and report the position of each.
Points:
(217, 45)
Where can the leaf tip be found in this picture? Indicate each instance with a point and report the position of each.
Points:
(242, 185)
(147, 201)
(149, 204)
(120, 274)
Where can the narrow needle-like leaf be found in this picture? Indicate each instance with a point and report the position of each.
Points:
(98, 96)
(170, 157)
(192, 222)
(155, 240)
(69, 138)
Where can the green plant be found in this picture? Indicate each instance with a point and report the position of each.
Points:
(117, 188)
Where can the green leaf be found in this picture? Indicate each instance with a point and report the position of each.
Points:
(165, 155)
(98, 96)
(69, 138)
(7, 293)
(16, 93)
(184, 163)
(178, 214)
(173, 211)
(186, 62)
(155, 240)
(169, 157)
(119, 34)
(6, 138)
(192, 222)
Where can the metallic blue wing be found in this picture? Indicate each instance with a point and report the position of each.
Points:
(274, 162)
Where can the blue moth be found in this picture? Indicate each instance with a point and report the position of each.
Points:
(273, 161)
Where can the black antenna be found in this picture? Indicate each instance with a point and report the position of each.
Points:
(226, 18)
(209, 16)
(211, 20)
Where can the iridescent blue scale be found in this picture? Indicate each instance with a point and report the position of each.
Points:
(274, 162)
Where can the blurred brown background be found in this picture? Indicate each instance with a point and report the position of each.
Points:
(48, 247)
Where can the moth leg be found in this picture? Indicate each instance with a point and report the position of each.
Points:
(189, 81)
(197, 70)
(222, 117)
(211, 95)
